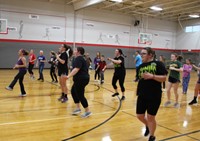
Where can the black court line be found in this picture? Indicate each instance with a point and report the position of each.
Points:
(170, 130)
(119, 106)
(186, 134)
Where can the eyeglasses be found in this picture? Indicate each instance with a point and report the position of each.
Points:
(143, 53)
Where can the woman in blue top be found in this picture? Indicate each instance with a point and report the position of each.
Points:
(21, 65)
(40, 62)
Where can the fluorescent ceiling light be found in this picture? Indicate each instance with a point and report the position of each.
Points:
(156, 8)
(117, 0)
(194, 16)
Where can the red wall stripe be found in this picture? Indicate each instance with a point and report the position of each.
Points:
(90, 45)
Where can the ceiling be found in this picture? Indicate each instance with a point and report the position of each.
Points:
(173, 10)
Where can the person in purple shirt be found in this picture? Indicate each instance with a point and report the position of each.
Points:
(21, 65)
(97, 59)
(187, 68)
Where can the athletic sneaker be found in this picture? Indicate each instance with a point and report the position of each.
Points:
(146, 131)
(64, 99)
(176, 105)
(115, 94)
(123, 98)
(167, 103)
(193, 102)
(76, 111)
(9, 88)
(86, 114)
(60, 98)
(22, 95)
(152, 138)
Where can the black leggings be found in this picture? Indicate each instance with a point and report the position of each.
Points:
(78, 90)
(30, 68)
(97, 73)
(19, 76)
(121, 79)
(53, 73)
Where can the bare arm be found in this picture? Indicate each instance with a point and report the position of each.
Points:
(73, 72)
(159, 78)
(179, 70)
(196, 67)
(60, 60)
(115, 61)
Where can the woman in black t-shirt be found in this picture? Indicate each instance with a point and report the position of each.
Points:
(119, 73)
(151, 74)
(66, 53)
(81, 79)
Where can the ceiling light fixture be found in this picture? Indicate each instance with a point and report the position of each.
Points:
(194, 16)
(116, 0)
(155, 8)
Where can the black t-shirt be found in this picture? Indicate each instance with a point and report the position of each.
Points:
(80, 63)
(52, 61)
(63, 67)
(119, 68)
(150, 89)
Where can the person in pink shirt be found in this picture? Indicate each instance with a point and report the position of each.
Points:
(187, 68)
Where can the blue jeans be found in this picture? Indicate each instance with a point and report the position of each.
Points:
(41, 67)
(185, 83)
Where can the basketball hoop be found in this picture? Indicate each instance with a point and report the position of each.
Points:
(145, 38)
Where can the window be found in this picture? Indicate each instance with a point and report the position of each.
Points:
(195, 28)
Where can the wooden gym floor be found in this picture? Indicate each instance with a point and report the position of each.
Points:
(40, 116)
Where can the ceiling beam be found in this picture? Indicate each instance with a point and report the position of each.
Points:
(113, 4)
(179, 11)
(85, 3)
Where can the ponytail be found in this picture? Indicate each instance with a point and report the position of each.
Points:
(24, 52)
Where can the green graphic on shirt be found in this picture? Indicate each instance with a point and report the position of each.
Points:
(151, 68)
(117, 65)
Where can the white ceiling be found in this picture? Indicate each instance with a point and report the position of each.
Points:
(173, 10)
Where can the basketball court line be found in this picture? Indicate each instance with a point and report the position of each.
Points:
(181, 134)
(102, 123)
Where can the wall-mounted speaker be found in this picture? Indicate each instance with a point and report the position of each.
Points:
(136, 23)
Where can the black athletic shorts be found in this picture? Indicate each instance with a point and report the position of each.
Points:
(173, 80)
(149, 105)
(61, 72)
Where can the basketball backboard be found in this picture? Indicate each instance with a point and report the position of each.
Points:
(145, 38)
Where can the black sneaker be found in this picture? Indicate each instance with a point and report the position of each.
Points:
(123, 98)
(115, 94)
(38, 79)
(193, 102)
(152, 138)
(146, 131)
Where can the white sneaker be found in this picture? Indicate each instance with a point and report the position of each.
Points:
(76, 112)
(22, 95)
(86, 114)
(176, 105)
(167, 103)
(9, 88)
